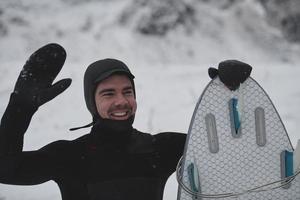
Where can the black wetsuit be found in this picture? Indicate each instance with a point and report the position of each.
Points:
(100, 165)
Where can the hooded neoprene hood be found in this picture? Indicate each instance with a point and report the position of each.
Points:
(97, 72)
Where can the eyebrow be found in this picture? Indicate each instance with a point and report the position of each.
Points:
(128, 88)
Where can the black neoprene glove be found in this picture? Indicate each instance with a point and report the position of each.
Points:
(34, 85)
(33, 88)
(231, 72)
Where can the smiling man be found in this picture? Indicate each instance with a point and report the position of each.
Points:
(113, 162)
(110, 93)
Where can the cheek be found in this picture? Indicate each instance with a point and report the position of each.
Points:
(133, 105)
(102, 108)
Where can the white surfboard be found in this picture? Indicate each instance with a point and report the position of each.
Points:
(237, 147)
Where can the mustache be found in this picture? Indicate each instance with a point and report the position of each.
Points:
(120, 107)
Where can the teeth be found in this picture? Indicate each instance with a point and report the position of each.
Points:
(120, 114)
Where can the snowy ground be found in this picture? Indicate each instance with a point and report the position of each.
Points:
(171, 72)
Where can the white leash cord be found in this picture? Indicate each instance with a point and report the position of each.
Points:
(262, 188)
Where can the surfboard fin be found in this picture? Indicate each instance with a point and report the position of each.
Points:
(296, 158)
(286, 160)
(235, 118)
(212, 136)
(290, 164)
(194, 179)
(260, 127)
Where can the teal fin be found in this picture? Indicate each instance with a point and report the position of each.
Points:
(194, 180)
(287, 170)
(235, 118)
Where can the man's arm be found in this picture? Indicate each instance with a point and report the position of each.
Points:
(32, 89)
(35, 167)
(14, 124)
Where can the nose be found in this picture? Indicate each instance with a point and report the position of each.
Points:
(120, 100)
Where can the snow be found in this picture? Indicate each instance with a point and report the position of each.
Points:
(170, 70)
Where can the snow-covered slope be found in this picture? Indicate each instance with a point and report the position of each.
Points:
(170, 66)
(190, 31)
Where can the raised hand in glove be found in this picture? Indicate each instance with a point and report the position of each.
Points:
(34, 86)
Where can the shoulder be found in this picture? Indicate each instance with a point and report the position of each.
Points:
(163, 137)
(138, 135)
(65, 146)
(140, 142)
(170, 142)
(169, 137)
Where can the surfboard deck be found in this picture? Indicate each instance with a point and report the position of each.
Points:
(236, 141)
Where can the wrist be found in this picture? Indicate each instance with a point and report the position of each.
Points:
(21, 104)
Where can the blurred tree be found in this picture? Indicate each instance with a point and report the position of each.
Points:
(284, 15)
(3, 27)
(158, 17)
(291, 27)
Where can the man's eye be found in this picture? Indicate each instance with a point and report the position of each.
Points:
(107, 94)
(128, 92)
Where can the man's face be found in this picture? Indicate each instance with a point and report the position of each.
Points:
(114, 98)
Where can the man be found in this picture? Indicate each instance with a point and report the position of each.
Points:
(113, 162)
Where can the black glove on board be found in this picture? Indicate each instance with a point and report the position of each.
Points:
(34, 85)
(231, 72)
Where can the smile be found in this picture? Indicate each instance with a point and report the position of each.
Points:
(120, 115)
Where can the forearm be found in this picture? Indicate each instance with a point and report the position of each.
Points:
(26, 168)
(34, 167)
(14, 124)
(8, 165)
